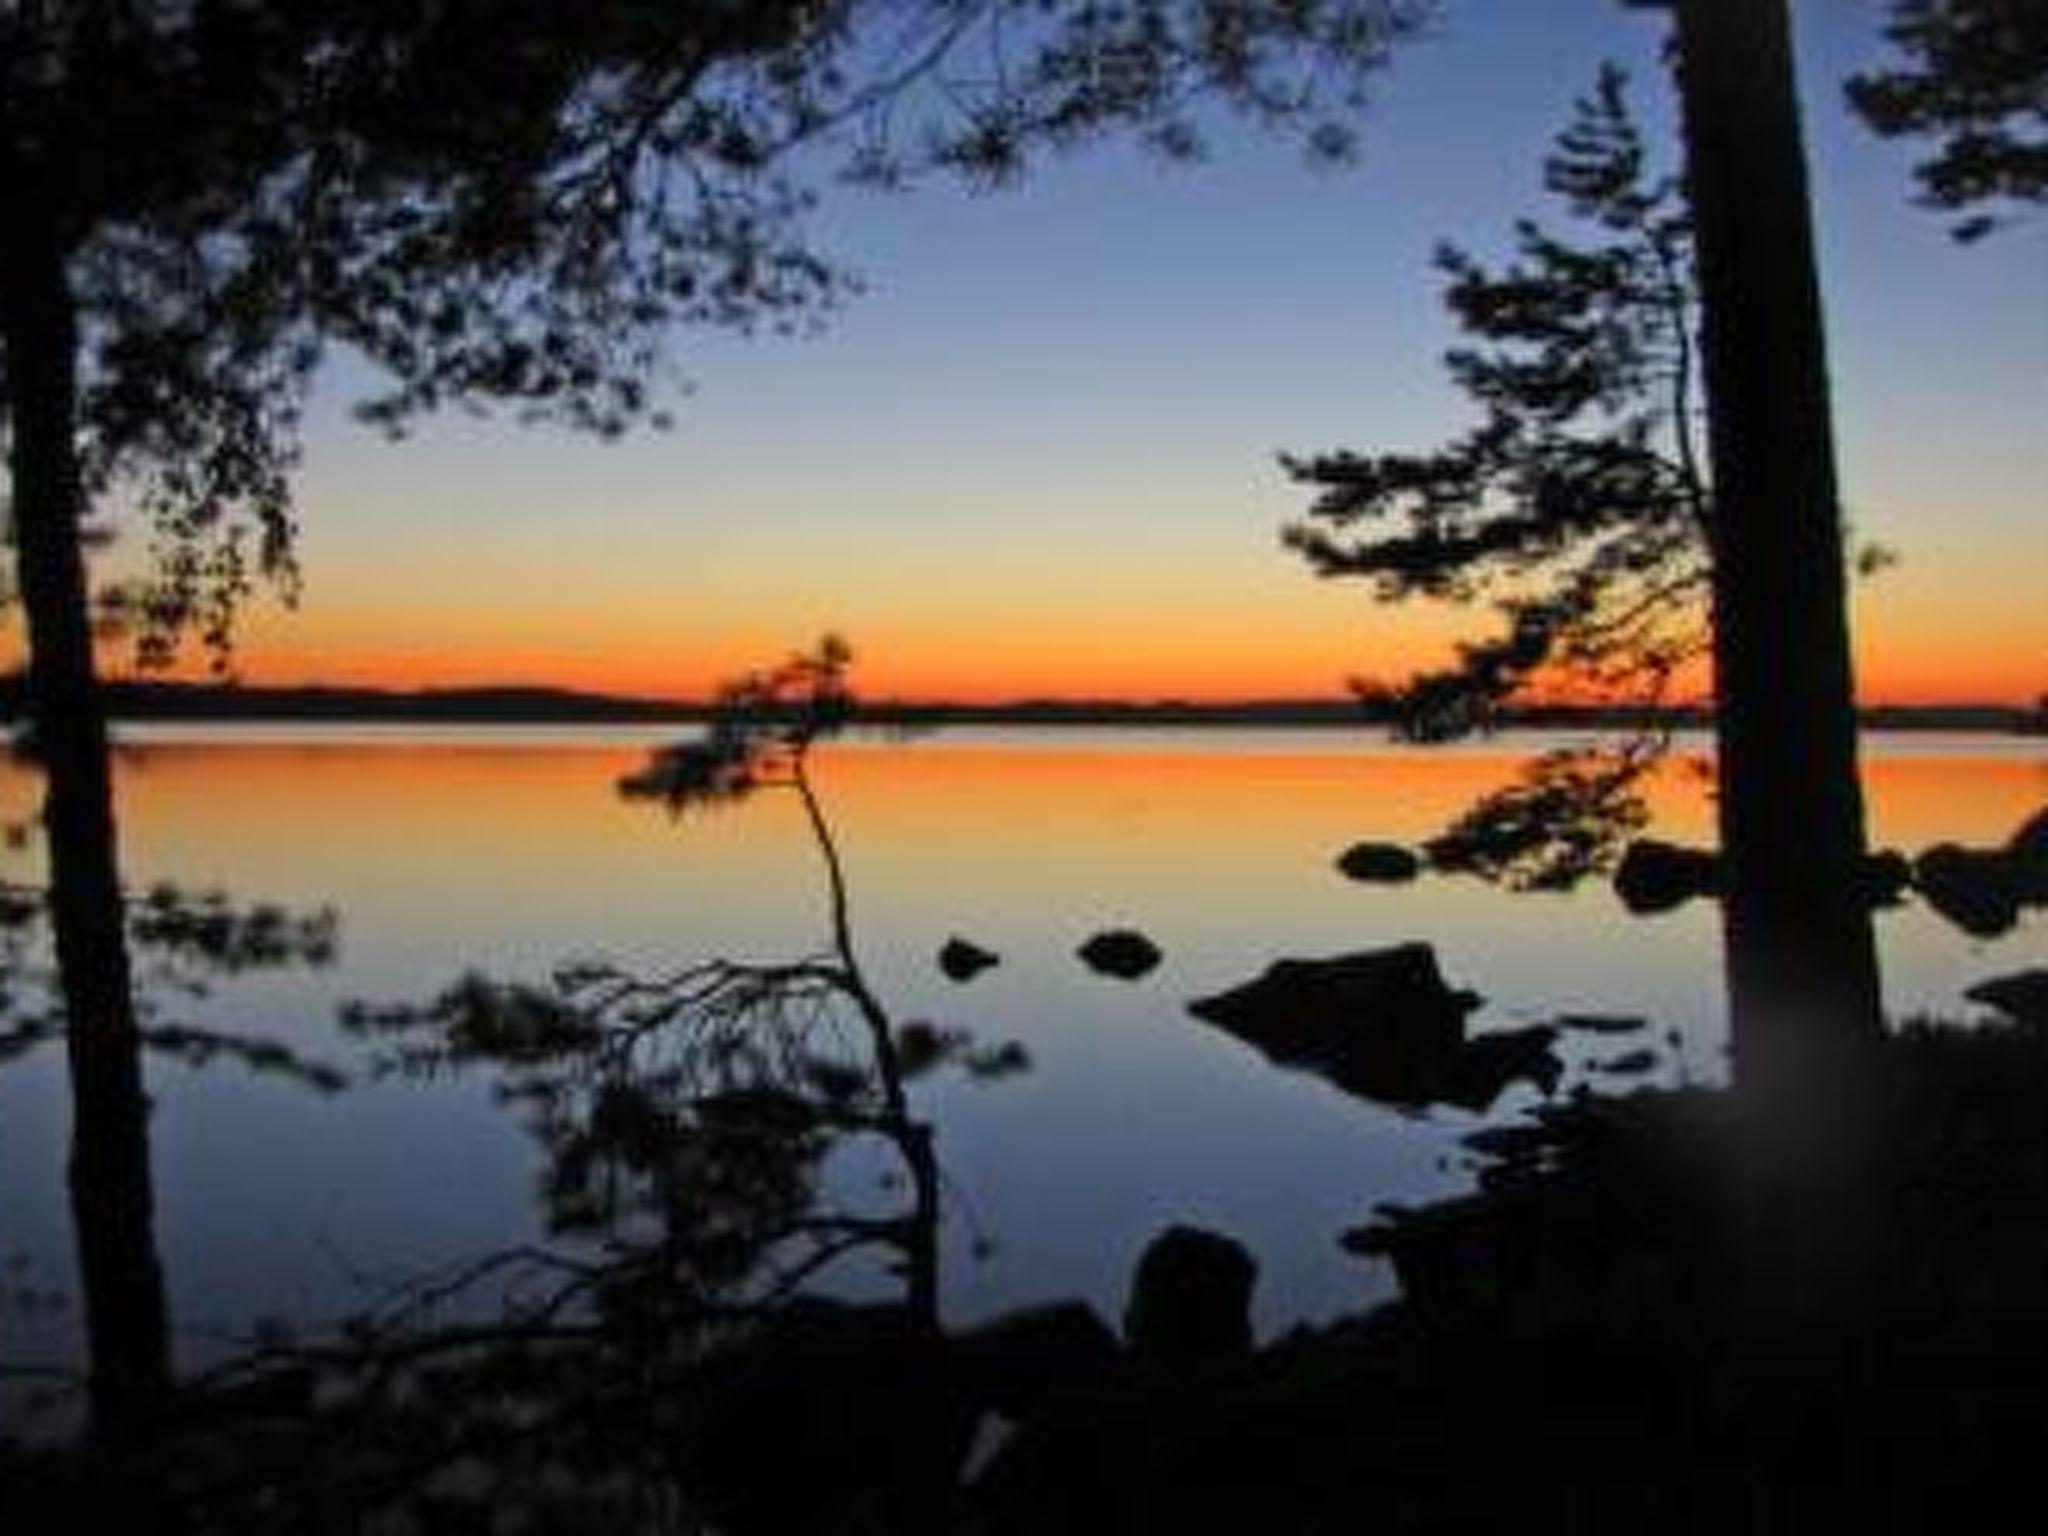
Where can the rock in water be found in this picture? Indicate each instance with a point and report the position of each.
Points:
(2028, 851)
(1190, 1302)
(1380, 1024)
(1656, 876)
(2022, 996)
(962, 960)
(1379, 863)
(1887, 876)
(1485, 1065)
(1120, 952)
(1976, 889)
(1292, 1011)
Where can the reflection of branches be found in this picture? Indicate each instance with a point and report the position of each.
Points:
(685, 1115)
(1559, 820)
(184, 941)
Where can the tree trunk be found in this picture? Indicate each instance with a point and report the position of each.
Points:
(1802, 967)
(1804, 1003)
(111, 1197)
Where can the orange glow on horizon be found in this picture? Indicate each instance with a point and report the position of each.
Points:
(1227, 680)
(1177, 648)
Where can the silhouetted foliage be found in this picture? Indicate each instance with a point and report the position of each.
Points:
(684, 1116)
(518, 202)
(1971, 75)
(1577, 507)
(685, 1121)
(493, 201)
(185, 942)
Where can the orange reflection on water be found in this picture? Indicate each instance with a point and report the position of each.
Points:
(1030, 806)
(1236, 796)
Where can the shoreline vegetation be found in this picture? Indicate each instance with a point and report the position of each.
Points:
(537, 705)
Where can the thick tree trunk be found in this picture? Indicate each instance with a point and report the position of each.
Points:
(1802, 968)
(111, 1197)
(1804, 1003)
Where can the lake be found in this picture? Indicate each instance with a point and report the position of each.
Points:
(506, 851)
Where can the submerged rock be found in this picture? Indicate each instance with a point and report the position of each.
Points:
(1656, 876)
(962, 960)
(1380, 1024)
(1123, 953)
(1976, 889)
(1601, 1023)
(2021, 996)
(1629, 1063)
(1379, 863)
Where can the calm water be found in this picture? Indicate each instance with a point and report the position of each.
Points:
(507, 852)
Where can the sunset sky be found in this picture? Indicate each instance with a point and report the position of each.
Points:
(1036, 455)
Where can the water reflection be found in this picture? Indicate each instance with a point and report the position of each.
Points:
(179, 945)
(503, 853)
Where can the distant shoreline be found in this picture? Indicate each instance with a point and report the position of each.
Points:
(203, 702)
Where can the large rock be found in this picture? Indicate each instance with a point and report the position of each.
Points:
(1656, 876)
(1380, 1024)
(1887, 876)
(1485, 1065)
(1379, 863)
(2028, 850)
(2022, 996)
(1976, 889)
(1123, 953)
(1190, 1302)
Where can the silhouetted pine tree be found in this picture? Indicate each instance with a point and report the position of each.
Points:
(1577, 508)
(1972, 75)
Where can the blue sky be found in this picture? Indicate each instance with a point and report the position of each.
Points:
(1038, 450)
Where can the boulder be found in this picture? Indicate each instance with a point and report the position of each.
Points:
(1380, 1024)
(962, 960)
(1288, 1010)
(1976, 889)
(1656, 876)
(2028, 851)
(1379, 863)
(1887, 876)
(2021, 996)
(1120, 952)
(1482, 1069)
(1190, 1301)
